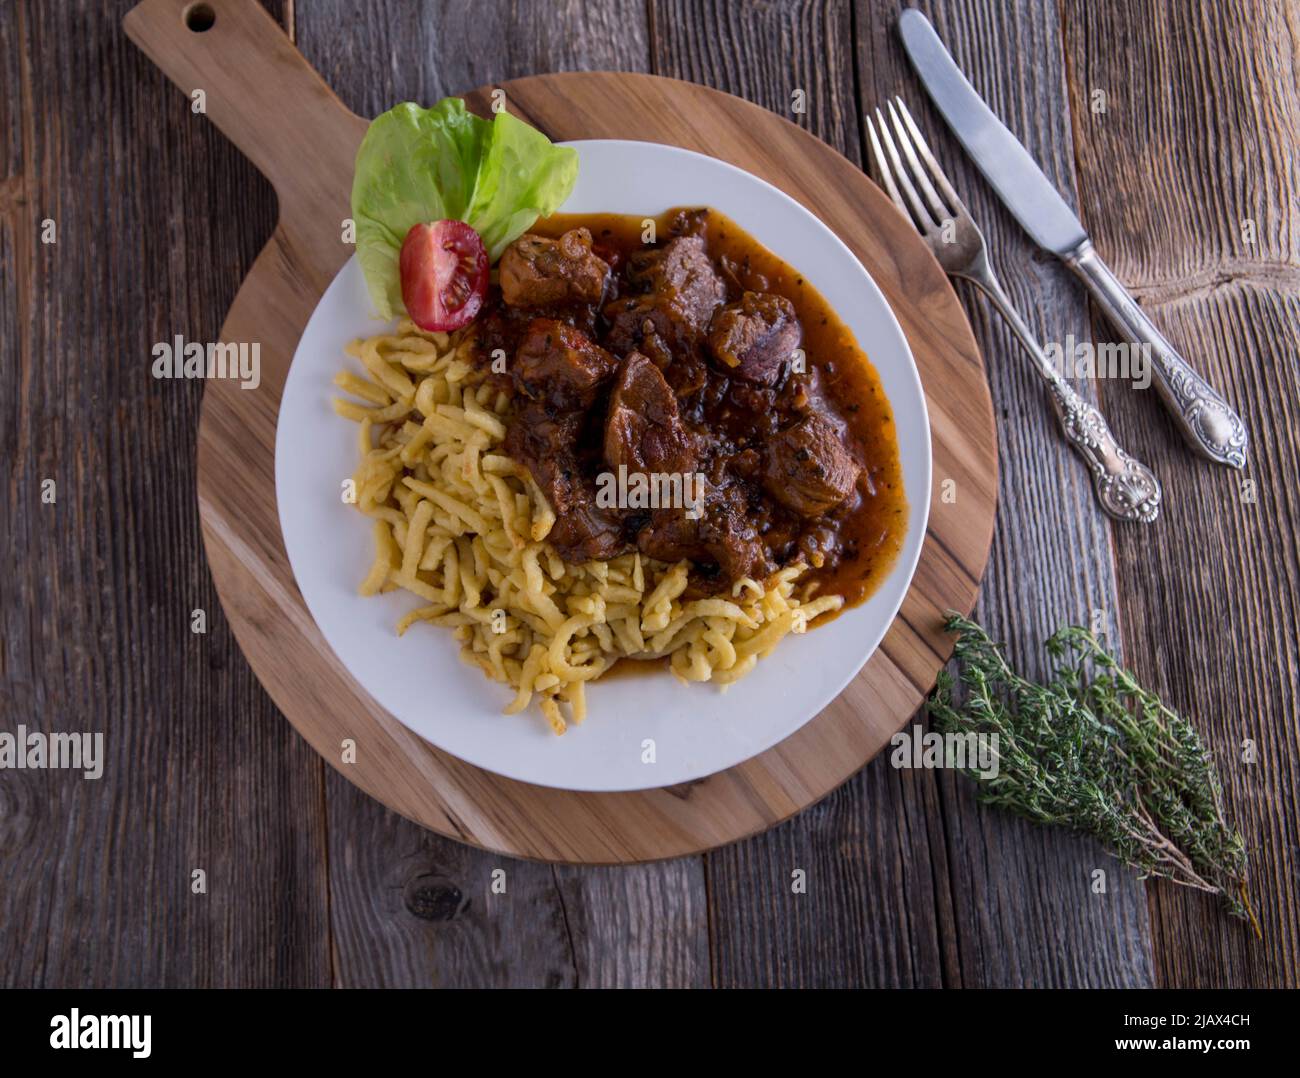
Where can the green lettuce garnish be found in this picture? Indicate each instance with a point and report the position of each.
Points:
(445, 163)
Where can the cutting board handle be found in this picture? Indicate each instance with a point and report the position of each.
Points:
(257, 88)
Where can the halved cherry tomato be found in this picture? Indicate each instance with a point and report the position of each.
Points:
(444, 269)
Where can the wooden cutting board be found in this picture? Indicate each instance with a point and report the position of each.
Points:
(264, 96)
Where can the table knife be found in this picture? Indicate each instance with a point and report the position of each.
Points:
(1205, 419)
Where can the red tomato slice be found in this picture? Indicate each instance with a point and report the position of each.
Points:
(444, 269)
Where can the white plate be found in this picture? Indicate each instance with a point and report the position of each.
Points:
(420, 678)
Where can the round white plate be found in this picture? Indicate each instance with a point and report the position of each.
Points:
(696, 730)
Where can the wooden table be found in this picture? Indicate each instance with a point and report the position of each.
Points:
(1172, 126)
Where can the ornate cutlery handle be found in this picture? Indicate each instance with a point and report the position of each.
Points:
(1126, 488)
(1206, 420)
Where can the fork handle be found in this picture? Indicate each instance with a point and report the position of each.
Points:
(1126, 488)
(1205, 419)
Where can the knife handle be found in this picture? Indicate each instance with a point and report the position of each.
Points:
(1205, 419)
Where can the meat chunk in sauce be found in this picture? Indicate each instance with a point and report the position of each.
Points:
(754, 337)
(537, 271)
(588, 532)
(546, 443)
(723, 535)
(559, 364)
(643, 428)
(672, 359)
(675, 290)
(807, 468)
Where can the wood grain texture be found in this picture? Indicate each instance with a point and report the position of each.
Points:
(433, 49)
(1210, 95)
(100, 586)
(412, 909)
(952, 891)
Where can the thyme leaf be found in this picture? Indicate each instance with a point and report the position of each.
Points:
(1094, 751)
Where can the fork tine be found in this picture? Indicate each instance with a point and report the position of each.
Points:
(885, 172)
(924, 221)
(940, 211)
(922, 148)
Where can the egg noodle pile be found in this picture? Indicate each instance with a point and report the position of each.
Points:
(463, 528)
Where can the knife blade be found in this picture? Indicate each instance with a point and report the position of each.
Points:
(1204, 418)
(1005, 163)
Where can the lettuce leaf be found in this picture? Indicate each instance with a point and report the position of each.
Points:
(441, 163)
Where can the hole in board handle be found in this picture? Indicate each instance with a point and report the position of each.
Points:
(199, 17)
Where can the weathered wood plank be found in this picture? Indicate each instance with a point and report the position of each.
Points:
(1209, 93)
(909, 883)
(564, 926)
(641, 926)
(767, 53)
(411, 909)
(400, 51)
(157, 219)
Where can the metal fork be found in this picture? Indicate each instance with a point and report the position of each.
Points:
(1126, 488)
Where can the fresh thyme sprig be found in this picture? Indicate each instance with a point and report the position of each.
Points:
(1094, 751)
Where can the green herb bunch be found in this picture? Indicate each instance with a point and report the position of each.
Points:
(1094, 751)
